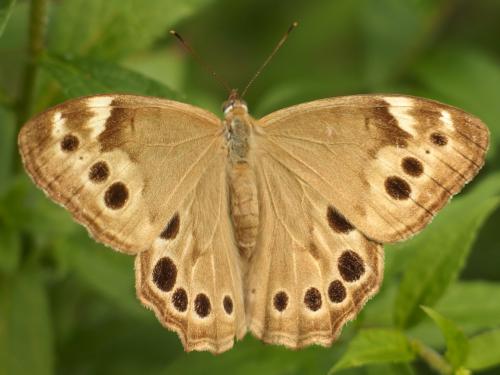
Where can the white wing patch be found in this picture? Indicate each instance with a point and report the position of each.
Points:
(446, 119)
(399, 107)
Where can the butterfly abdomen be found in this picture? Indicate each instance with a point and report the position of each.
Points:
(244, 207)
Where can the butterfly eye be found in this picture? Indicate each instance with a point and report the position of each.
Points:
(226, 106)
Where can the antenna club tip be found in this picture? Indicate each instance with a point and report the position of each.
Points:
(173, 32)
(295, 23)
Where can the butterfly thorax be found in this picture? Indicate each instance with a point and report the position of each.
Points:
(242, 182)
(238, 128)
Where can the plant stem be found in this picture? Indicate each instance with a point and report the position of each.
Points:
(36, 46)
(433, 359)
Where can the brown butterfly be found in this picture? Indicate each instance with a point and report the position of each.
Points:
(272, 225)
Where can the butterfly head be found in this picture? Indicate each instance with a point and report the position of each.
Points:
(234, 104)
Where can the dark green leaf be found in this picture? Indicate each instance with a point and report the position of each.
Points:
(441, 250)
(385, 48)
(252, 357)
(88, 77)
(10, 249)
(376, 346)
(115, 28)
(456, 342)
(6, 7)
(26, 345)
(7, 148)
(484, 350)
(109, 273)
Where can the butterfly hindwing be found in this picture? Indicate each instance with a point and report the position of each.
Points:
(387, 162)
(191, 275)
(120, 163)
(312, 270)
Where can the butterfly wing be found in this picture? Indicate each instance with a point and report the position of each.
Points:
(387, 163)
(133, 171)
(336, 178)
(311, 270)
(119, 163)
(191, 276)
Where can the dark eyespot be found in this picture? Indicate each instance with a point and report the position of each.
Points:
(227, 302)
(69, 143)
(280, 301)
(412, 166)
(202, 305)
(350, 266)
(180, 299)
(312, 299)
(336, 291)
(116, 196)
(165, 274)
(99, 172)
(397, 188)
(439, 139)
(172, 228)
(337, 221)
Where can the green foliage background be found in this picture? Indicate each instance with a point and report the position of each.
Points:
(67, 304)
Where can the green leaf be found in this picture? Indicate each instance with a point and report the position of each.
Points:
(456, 342)
(484, 350)
(10, 249)
(115, 28)
(6, 7)
(106, 271)
(440, 251)
(26, 345)
(7, 147)
(89, 77)
(385, 49)
(251, 357)
(474, 304)
(389, 369)
(376, 346)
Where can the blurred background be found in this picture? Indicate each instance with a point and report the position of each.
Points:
(68, 305)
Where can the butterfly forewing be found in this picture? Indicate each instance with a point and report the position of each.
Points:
(387, 162)
(121, 164)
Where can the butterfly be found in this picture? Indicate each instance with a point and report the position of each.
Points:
(272, 225)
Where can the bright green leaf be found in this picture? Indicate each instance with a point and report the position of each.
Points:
(474, 304)
(6, 7)
(115, 28)
(484, 350)
(26, 345)
(441, 250)
(376, 346)
(456, 342)
(88, 77)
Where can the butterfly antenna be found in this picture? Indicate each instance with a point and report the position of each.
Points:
(200, 61)
(278, 46)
